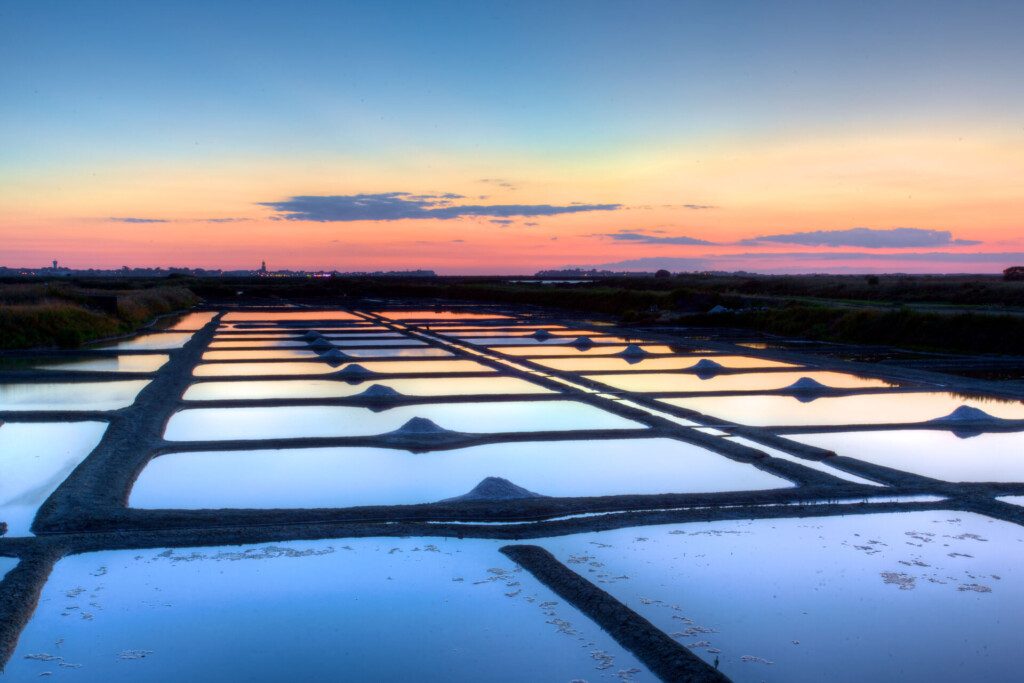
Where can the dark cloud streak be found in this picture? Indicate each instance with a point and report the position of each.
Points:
(867, 238)
(394, 206)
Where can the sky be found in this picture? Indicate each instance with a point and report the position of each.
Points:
(496, 137)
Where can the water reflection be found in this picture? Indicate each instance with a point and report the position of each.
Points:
(245, 316)
(377, 367)
(745, 381)
(935, 454)
(641, 363)
(326, 388)
(145, 342)
(563, 350)
(288, 354)
(188, 321)
(70, 395)
(441, 315)
(271, 423)
(35, 458)
(342, 477)
(891, 408)
(530, 341)
(411, 609)
(846, 599)
(130, 363)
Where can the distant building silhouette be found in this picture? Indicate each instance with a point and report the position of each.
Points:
(263, 266)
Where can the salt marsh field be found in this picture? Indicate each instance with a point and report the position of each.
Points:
(475, 493)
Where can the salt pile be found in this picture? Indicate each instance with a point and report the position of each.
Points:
(420, 426)
(706, 368)
(379, 392)
(495, 488)
(633, 351)
(582, 343)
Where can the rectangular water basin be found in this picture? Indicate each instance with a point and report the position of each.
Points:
(188, 321)
(215, 424)
(530, 341)
(344, 477)
(35, 458)
(145, 342)
(148, 362)
(70, 395)
(563, 350)
(332, 388)
(370, 609)
(291, 354)
(742, 381)
(379, 367)
(892, 408)
(641, 363)
(923, 597)
(278, 316)
(525, 333)
(441, 315)
(995, 457)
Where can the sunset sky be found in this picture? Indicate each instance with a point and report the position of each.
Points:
(507, 137)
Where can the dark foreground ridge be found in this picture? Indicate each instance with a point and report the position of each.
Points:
(666, 658)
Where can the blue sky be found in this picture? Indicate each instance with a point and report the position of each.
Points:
(540, 88)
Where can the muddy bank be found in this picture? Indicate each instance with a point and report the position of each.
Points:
(666, 658)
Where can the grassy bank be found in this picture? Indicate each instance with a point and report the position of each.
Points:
(67, 315)
(961, 332)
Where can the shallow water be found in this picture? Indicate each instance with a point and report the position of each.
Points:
(188, 321)
(262, 354)
(441, 315)
(861, 409)
(145, 342)
(931, 453)
(321, 388)
(676, 363)
(242, 316)
(342, 477)
(288, 422)
(34, 459)
(70, 395)
(295, 330)
(384, 368)
(526, 332)
(290, 354)
(271, 368)
(562, 350)
(881, 597)
(530, 341)
(149, 362)
(353, 609)
(742, 381)
(6, 565)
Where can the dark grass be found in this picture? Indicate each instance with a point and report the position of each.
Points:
(46, 315)
(958, 332)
